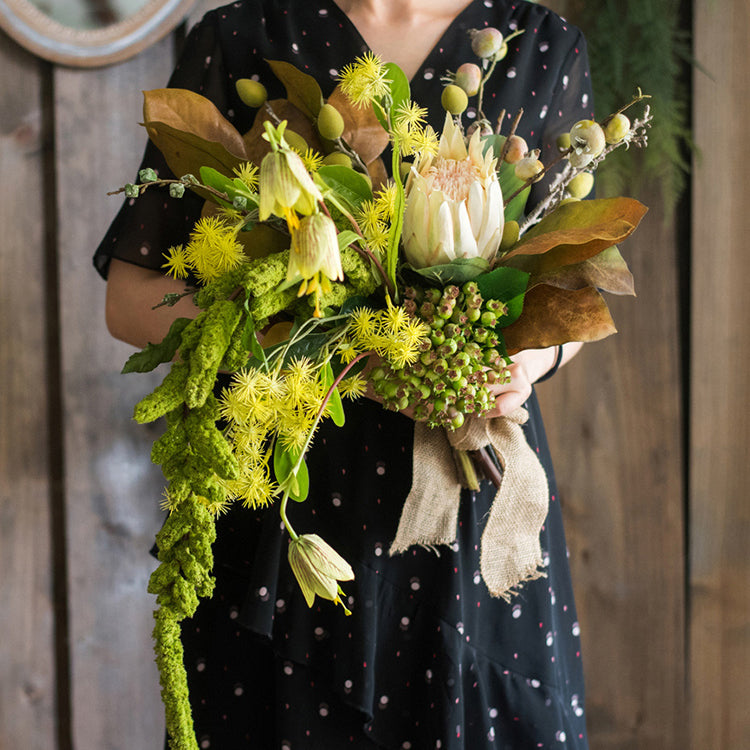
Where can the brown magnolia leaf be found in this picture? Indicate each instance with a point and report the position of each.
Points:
(362, 131)
(302, 90)
(180, 110)
(575, 232)
(256, 146)
(553, 316)
(606, 271)
(186, 152)
(277, 333)
(378, 173)
(263, 240)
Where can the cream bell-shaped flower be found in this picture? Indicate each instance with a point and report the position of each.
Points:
(454, 204)
(285, 186)
(318, 569)
(314, 257)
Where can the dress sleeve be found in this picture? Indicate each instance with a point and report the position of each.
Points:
(147, 226)
(572, 100)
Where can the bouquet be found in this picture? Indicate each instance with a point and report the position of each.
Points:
(320, 277)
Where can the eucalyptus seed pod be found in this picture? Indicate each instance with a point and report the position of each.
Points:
(330, 123)
(454, 99)
(252, 93)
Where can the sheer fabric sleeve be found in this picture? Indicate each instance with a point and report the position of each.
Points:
(147, 226)
(572, 101)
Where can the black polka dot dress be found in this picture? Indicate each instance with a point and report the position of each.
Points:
(427, 659)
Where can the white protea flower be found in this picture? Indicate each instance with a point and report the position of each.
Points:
(454, 205)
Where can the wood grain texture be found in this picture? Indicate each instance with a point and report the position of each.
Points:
(720, 407)
(112, 489)
(614, 422)
(27, 679)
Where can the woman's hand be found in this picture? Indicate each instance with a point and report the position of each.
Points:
(528, 367)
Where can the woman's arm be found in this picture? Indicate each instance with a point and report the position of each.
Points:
(132, 292)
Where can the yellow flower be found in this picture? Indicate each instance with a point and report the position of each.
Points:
(353, 387)
(177, 263)
(312, 160)
(454, 205)
(411, 113)
(213, 248)
(318, 568)
(365, 79)
(248, 173)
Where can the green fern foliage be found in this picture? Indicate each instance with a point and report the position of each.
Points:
(641, 43)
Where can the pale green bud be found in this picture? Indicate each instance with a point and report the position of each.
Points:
(318, 568)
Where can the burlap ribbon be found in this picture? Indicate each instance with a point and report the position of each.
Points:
(511, 553)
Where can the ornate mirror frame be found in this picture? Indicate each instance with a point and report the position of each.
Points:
(91, 48)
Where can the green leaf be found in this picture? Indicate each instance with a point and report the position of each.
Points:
(302, 90)
(155, 354)
(335, 407)
(346, 182)
(509, 184)
(346, 238)
(233, 187)
(249, 338)
(352, 303)
(507, 285)
(456, 272)
(284, 461)
(400, 91)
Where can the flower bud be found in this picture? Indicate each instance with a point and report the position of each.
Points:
(318, 568)
(147, 175)
(315, 249)
(176, 190)
(468, 77)
(330, 122)
(587, 141)
(295, 141)
(454, 99)
(131, 190)
(517, 149)
(486, 43)
(616, 128)
(252, 93)
(529, 167)
(338, 158)
(581, 185)
(510, 235)
(285, 184)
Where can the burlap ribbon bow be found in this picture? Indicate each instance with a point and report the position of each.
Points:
(511, 553)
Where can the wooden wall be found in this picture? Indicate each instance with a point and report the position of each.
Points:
(649, 431)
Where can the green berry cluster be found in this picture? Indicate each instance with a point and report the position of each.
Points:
(464, 355)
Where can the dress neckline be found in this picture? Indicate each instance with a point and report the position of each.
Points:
(437, 46)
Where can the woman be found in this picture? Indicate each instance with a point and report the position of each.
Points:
(428, 659)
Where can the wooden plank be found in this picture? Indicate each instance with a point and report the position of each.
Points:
(27, 685)
(112, 490)
(614, 421)
(720, 407)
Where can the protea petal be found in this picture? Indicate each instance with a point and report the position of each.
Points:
(475, 203)
(465, 244)
(441, 231)
(491, 232)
